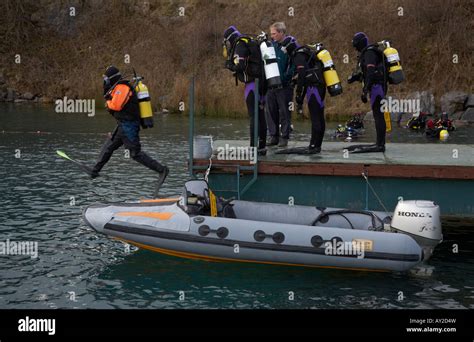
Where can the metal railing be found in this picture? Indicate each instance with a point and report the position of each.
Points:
(239, 168)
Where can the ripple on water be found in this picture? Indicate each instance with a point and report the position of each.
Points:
(42, 197)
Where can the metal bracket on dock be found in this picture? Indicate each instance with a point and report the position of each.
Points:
(239, 168)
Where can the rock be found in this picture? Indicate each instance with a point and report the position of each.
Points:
(427, 101)
(399, 117)
(457, 115)
(2, 79)
(369, 116)
(453, 101)
(28, 96)
(46, 99)
(11, 95)
(394, 117)
(469, 101)
(460, 123)
(468, 115)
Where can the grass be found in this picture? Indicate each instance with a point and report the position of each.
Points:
(66, 56)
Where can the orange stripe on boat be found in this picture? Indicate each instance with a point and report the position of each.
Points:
(159, 200)
(160, 216)
(201, 257)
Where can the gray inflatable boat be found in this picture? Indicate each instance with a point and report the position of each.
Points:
(198, 225)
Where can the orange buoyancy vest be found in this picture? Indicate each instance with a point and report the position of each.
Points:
(120, 96)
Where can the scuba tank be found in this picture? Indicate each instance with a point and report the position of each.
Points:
(144, 103)
(393, 64)
(225, 52)
(331, 78)
(388, 121)
(272, 73)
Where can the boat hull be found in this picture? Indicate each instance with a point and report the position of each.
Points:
(164, 227)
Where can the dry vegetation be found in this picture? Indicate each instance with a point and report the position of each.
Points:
(64, 55)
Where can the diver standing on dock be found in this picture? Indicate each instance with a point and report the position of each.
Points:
(279, 99)
(314, 72)
(371, 71)
(243, 57)
(123, 103)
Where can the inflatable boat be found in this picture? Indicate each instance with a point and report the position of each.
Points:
(198, 225)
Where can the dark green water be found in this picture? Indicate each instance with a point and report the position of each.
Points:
(35, 199)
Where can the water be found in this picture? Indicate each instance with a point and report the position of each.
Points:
(77, 268)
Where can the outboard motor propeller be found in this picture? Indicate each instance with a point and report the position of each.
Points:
(421, 220)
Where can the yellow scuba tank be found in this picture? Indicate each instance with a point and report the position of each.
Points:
(388, 121)
(331, 78)
(144, 103)
(224, 51)
(394, 67)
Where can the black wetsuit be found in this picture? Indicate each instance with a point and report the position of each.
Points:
(371, 63)
(305, 64)
(126, 133)
(249, 67)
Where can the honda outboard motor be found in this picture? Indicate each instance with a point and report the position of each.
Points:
(421, 220)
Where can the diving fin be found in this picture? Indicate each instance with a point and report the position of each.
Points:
(369, 149)
(161, 180)
(360, 146)
(299, 150)
(82, 166)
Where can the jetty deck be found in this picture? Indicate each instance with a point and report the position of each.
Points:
(426, 161)
(443, 173)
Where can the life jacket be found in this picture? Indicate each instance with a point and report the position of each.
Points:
(253, 63)
(123, 102)
(314, 72)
